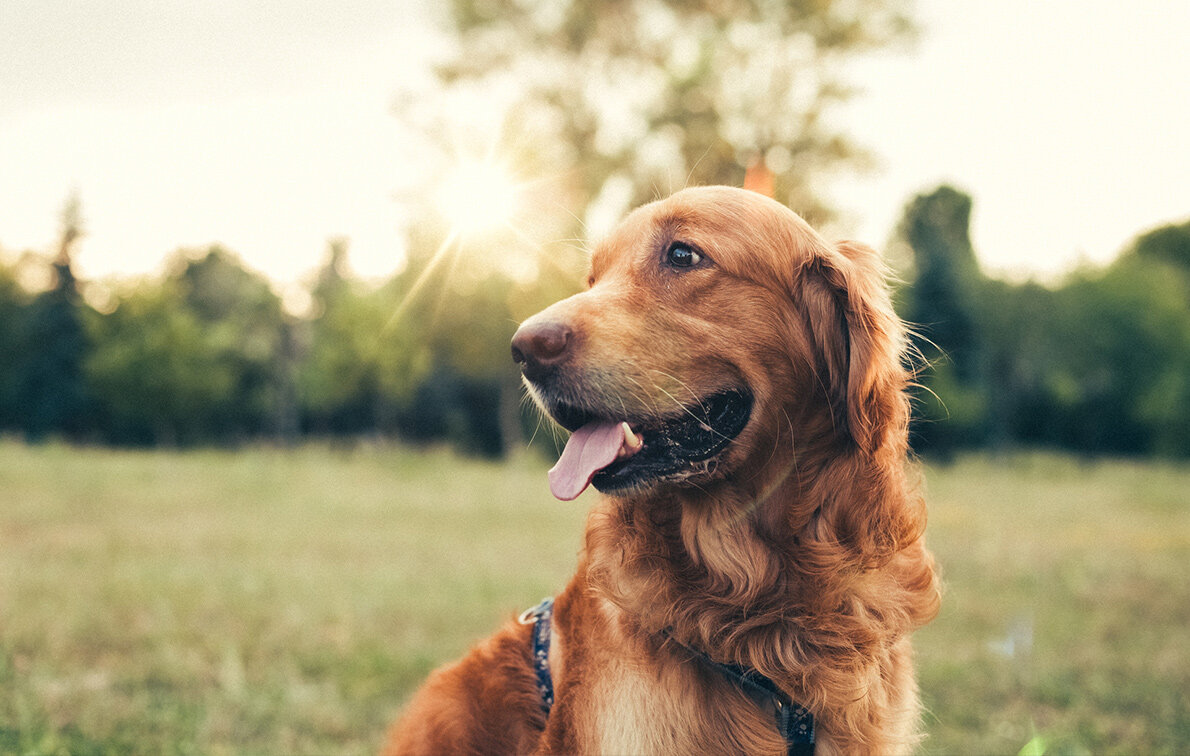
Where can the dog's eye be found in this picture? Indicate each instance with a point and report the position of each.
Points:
(681, 256)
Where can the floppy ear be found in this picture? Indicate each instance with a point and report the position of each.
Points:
(858, 341)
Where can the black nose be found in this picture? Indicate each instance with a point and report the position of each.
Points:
(537, 347)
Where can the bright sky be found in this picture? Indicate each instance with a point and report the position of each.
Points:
(268, 127)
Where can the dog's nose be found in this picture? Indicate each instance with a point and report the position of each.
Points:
(537, 346)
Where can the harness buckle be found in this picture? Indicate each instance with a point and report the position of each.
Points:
(534, 613)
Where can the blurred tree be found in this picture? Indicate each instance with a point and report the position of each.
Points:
(477, 384)
(460, 310)
(609, 104)
(243, 319)
(1100, 364)
(1167, 404)
(1169, 244)
(332, 280)
(160, 376)
(1120, 376)
(1018, 324)
(13, 303)
(942, 302)
(639, 97)
(51, 392)
(943, 306)
(361, 364)
(199, 356)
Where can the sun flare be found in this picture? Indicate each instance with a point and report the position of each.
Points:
(478, 197)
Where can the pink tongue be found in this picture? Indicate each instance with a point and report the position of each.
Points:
(590, 449)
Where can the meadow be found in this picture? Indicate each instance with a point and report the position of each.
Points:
(288, 601)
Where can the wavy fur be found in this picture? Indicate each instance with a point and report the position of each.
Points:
(798, 551)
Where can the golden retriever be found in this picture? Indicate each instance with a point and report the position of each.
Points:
(735, 387)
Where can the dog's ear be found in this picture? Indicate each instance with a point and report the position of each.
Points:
(857, 340)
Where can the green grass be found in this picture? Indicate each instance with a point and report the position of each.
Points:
(1067, 612)
(272, 601)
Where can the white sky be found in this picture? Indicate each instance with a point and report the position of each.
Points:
(267, 126)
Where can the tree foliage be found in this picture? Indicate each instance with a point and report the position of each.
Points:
(205, 353)
(360, 361)
(640, 97)
(198, 355)
(13, 303)
(942, 310)
(606, 105)
(161, 377)
(1100, 363)
(1168, 244)
(51, 344)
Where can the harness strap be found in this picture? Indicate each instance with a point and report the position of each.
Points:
(540, 616)
(794, 721)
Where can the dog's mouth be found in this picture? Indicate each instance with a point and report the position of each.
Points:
(617, 454)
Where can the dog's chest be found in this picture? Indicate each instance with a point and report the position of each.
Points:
(639, 711)
(641, 708)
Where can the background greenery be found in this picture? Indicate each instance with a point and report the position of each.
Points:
(288, 601)
(1099, 363)
(338, 523)
(603, 104)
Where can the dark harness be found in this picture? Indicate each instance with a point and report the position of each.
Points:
(794, 722)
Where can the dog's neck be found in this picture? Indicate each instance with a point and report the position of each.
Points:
(747, 576)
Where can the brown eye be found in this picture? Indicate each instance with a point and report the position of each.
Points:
(682, 256)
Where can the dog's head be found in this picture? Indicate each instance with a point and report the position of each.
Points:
(718, 331)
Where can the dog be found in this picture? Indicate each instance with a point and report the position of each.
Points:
(736, 388)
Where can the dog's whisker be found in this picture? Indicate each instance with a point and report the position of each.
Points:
(533, 435)
(690, 390)
(678, 403)
(647, 397)
(623, 407)
(702, 421)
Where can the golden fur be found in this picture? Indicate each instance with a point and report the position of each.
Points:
(797, 551)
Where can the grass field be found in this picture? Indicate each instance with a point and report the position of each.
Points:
(271, 601)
